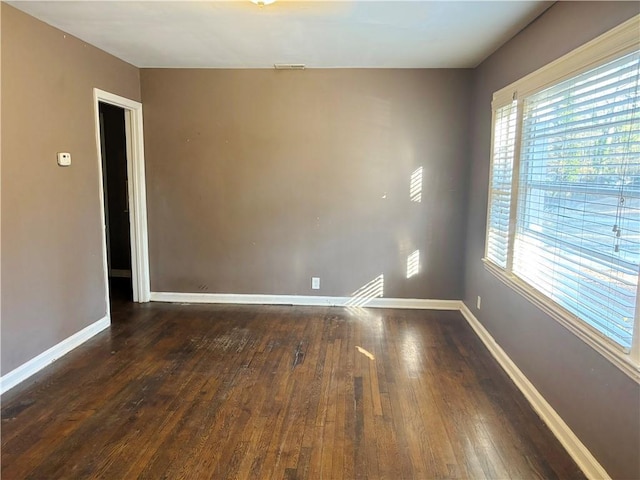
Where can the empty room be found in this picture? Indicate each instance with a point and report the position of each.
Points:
(320, 240)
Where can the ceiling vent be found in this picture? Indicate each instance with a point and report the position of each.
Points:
(289, 66)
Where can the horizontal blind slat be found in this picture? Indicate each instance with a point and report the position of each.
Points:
(500, 184)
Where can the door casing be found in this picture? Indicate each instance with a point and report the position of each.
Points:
(137, 193)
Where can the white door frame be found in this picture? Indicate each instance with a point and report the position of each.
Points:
(137, 193)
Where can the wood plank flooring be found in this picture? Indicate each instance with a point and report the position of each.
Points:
(267, 392)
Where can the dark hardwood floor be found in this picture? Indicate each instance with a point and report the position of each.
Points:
(203, 391)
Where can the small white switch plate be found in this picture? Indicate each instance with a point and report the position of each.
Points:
(64, 159)
(479, 302)
(315, 283)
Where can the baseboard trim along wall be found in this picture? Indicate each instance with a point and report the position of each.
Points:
(309, 300)
(572, 444)
(119, 273)
(49, 356)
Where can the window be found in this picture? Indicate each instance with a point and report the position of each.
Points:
(564, 199)
(504, 139)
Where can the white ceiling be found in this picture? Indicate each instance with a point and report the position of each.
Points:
(320, 34)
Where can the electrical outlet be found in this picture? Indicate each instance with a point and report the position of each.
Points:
(479, 302)
(315, 283)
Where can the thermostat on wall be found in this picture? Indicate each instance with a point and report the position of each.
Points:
(64, 159)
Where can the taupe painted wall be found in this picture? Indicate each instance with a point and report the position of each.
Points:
(260, 179)
(52, 273)
(599, 402)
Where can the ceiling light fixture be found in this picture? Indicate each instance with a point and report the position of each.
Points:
(262, 3)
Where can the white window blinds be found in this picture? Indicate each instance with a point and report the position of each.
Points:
(504, 136)
(577, 237)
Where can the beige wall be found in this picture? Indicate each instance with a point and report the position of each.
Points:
(260, 179)
(600, 403)
(52, 274)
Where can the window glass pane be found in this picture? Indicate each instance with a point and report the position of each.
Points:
(504, 135)
(577, 237)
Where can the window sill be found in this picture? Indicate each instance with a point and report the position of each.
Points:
(608, 349)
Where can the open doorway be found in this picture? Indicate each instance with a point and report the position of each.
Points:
(113, 143)
(119, 139)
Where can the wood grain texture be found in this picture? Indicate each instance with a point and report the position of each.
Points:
(206, 391)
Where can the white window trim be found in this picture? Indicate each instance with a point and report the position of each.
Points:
(615, 43)
(580, 328)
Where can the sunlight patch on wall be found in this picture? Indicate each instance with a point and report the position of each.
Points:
(415, 186)
(413, 264)
(366, 293)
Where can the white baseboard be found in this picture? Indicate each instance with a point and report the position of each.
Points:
(310, 300)
(36, 364)
(413, 303)
(175, 297)
(572, 444)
